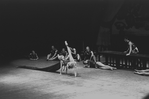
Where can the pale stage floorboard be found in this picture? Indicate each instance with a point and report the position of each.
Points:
(91, 83)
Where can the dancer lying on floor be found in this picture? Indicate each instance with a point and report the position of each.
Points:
(103, 66)
(142, 72)
(67, 62)
(100, 65)
(132, 48)
(53, 54)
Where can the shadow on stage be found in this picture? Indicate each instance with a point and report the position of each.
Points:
(53, 68)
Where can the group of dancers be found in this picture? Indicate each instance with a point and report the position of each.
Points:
(69, 58)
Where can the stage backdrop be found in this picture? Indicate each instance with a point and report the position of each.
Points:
(125, 18)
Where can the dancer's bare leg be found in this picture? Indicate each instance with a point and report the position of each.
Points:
(72, 65)
(66, 69)
(146, 70)
(142, 73)
(78, 57)
(75, 72)
(72, 61)
(103, 66)
(106, 67)
(61, 66)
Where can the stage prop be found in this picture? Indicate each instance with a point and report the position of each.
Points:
(120, 60)
(52, 68)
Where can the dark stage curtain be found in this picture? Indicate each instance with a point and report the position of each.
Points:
(104, 36)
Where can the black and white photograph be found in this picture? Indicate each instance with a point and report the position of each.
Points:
(74, 49)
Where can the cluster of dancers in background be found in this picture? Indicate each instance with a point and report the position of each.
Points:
(69, 57)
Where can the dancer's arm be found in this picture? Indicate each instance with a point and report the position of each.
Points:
(36, 55)
(136, 50)
(54, 54)
(130, 49)
(126, 50)
(92, 53)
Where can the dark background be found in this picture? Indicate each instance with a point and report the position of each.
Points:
(36, 25)
(27, 25)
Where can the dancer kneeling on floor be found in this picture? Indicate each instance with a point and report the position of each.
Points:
(67, 62)
(33, 55)
(53, 54)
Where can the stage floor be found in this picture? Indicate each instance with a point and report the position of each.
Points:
(21, 83)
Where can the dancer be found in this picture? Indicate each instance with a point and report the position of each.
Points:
(103, 66)
(67, 62)
(100, 65)
(53, 54)
(142, 72)
(88, 57)
(62, 56)
(75, 55)
(63, 53)
(33, 55)
(132, 48)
